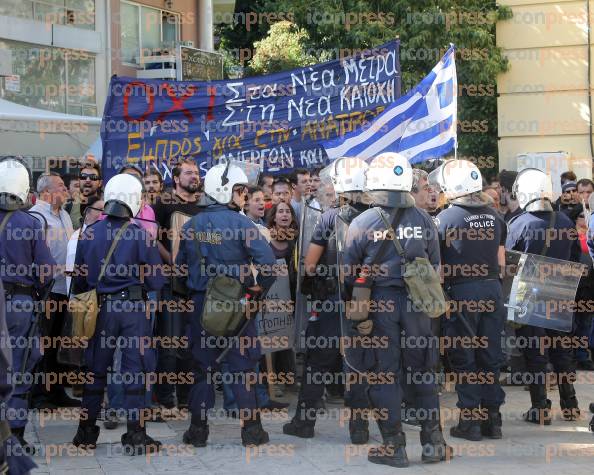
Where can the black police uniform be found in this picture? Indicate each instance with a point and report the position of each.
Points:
(404, 354)
(322, 336)
(528, 234)
(470, 238)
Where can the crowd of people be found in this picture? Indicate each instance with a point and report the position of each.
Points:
(122, 239)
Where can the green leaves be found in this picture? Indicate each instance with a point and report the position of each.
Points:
(329, 29)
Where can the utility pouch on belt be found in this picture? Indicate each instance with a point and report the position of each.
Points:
(357, 308)
(421, 280)
(84, 307)
(224, 306)
(224, 303)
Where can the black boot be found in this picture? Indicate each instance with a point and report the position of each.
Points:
(393, 451)
(197, 433)
(302, 425)
(137, 442)
(252, 433)
(86, 436)
(569, 403)
(592, 424)
(409, 415)
(540, 412)
(19, 433)
(468, 428)
(491, 427)
(358, 429)
(434, 445)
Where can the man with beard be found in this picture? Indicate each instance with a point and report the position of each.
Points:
(90, 186)
(183, 198)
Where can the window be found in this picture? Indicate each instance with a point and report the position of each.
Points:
(78, 13)
(147, 31)
(50, 78)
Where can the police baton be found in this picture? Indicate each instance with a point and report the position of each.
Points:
(462, 317)
(37, 315)
(246, 321)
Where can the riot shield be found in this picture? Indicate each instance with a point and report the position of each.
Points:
(251, 170)
(353, 353)
(309, 218)
(326, 196)
(542, 291)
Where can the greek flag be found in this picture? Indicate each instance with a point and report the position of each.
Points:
(420, 125)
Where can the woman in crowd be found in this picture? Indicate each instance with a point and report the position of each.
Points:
(284, 232)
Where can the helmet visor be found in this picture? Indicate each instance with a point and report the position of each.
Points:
(251, 170)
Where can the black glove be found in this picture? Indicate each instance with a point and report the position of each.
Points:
(308, 285)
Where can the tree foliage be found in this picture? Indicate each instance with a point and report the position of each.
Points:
(426, 28)
(283, 49)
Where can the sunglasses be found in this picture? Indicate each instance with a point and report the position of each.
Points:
(86, 176)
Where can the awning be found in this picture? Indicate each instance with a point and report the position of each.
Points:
(28, 131)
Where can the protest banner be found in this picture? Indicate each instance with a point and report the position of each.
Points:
(278, 121)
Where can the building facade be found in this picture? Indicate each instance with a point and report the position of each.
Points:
(57, 57)
(544, 103)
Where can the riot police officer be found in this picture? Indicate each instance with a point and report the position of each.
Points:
(118, 259)
(472, 238)
(26, 269)
(322, 336)
(540, 230)
(220, 240)
(11, 461)
(403, 353)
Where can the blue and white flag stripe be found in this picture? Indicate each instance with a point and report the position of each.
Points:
(420, 125)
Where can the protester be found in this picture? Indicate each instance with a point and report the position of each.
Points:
(585, 188)
(52, 197)
(90, 185)
(281, 190)
(256, 205)
(315, 181)
(265, 182)
(284, 230)
(509, 204)
(301, 180)
(421, 191)
(569, 198)
(72, 182)
(568, 176)
(171, 323)
(153, 185)
(146, 216)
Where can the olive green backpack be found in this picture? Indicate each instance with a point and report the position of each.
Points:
(420, 278)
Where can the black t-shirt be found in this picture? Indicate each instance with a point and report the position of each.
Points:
(165, 205)
(469, 241)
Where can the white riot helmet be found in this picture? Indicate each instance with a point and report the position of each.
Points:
(14, 184)
(123, 196)
(533, 189)
(457, 178)
(389, 171)
(220, 180)
(348, 174)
